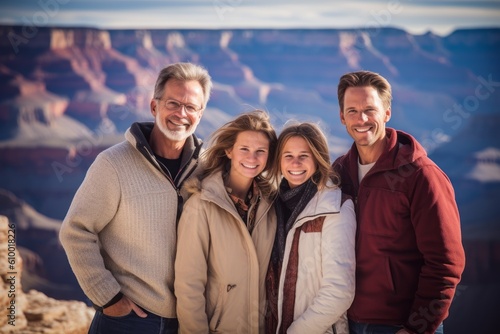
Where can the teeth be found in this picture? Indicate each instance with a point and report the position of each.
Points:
(363, 129)
(297, 173)
(248, 166)
(178, 122)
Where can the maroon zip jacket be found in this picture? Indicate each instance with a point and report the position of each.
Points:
(409, 251)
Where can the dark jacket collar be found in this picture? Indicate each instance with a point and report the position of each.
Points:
(401, 149)
(138, 135)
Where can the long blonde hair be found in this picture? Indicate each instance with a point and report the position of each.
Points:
(214, 159)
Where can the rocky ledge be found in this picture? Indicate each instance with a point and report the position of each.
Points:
(32, 312)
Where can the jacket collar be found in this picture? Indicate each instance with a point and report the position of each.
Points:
(138, 135)
(401, 149)
(213, 190)
(324, 202)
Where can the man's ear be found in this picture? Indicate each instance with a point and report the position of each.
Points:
(152, 106)
(388, 114)
(342, 119)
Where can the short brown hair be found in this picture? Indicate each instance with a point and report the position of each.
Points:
(365, 79)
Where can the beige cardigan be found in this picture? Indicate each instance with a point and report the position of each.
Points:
(120, 231)
(220, 268)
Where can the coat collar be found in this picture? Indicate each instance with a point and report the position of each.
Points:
(213, 190)
(325, 202)
(138, 135)
(401, 149)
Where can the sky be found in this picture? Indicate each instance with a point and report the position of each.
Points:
(439, 16)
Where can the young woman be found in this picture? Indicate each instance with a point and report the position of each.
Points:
(311, 275)
(226, 232)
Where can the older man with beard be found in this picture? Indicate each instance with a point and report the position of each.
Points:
(120, 231)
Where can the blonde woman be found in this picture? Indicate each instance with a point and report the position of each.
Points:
(226, 232)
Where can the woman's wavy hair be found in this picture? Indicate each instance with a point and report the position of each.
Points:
(214, 158)
(318, 145)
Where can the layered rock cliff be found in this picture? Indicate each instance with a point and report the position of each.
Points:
(66, 94)
(32, 312)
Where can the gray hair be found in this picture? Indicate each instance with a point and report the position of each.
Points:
(184, 72)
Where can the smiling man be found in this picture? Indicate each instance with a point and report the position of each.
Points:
(409, 254)
(120, 232)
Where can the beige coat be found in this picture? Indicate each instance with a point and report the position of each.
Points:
(220, 268)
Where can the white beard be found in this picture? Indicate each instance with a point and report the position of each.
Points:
(177, 135)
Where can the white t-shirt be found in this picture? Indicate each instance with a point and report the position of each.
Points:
(363, 169)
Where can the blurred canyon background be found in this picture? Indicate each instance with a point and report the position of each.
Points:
(66, 94)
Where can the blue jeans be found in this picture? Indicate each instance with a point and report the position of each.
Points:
(362, 328)
(133, 324)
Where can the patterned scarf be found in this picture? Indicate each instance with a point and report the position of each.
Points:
(247, 208)
(289, 204)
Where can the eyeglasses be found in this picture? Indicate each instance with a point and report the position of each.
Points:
(173, 105)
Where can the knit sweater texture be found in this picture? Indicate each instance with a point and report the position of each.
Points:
(120, 231)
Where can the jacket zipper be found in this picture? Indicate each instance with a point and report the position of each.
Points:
(160, 164)
(163, 169)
